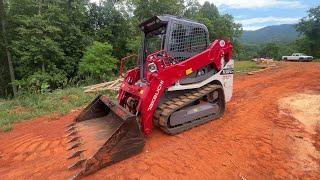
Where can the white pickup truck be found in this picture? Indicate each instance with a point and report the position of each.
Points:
(297, 57)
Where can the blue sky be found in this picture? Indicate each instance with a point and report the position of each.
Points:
(255, 14)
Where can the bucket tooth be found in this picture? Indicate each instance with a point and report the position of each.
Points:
(71, 128)
(77, 164)
(77, 175)
(77, 153)
(73, 139)
(72, 124)
(74, 146)
(72, 133)
(104, 133)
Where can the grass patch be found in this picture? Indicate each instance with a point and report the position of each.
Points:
(61, 102)
(242, 67)
(316, 60)
(29, 106)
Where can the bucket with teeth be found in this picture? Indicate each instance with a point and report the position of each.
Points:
(103, 133)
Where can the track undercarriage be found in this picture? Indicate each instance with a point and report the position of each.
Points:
(191, 109)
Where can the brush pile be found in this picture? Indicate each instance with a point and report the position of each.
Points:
(110, 85)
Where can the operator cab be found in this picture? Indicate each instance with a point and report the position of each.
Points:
(180, 38)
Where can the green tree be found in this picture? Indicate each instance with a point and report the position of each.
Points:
(248, 52)
(219, 26)
(303, 45)
(75, 34)
(113, 25)
(48, 38)
(98, 62)
(35, 44)
(192, 9)
(5, 44)
(144, 9)
(310, 27)
(270, 50)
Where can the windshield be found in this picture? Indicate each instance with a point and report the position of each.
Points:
(155, 40)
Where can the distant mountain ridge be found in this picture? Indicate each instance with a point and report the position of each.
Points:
(284, 33)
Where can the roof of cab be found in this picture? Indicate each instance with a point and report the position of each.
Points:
(164, 19)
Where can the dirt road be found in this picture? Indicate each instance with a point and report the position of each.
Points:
(263, 135)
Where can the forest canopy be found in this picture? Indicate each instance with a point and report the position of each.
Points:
(55, 43)
(50, 44)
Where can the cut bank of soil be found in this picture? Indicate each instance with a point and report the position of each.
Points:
(253, 140)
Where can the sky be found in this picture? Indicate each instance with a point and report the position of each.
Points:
(256, 14)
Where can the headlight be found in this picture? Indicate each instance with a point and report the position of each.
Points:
(152, 67)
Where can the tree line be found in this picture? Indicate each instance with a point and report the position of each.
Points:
(308, 41)
(50, 44)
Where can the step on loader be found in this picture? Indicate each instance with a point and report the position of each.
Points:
(181, 81)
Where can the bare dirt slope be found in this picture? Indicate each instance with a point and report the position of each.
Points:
(259, 137)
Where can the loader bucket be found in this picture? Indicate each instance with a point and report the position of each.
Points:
(103, 133)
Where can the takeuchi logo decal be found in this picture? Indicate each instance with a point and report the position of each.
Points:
(155, 96)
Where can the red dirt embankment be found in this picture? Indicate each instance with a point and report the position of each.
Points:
(254, 140)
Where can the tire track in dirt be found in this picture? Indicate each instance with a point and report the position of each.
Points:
(33, 150)
(251, 141)
(29, 147)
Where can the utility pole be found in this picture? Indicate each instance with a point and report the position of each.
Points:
(8, 53)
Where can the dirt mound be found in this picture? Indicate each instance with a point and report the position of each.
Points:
(306, 109)
(254, 140)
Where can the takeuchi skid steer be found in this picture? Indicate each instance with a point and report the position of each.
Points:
(181, 81)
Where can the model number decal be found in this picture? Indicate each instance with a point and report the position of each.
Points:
(155, 96)
(227, 71)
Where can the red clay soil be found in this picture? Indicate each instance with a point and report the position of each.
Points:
(252, 141)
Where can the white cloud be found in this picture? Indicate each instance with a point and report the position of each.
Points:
(257, 23)
(252, 28)
(240, 16)
(270, 19)
(252, 4)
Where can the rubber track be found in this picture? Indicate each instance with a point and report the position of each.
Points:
(164, 110)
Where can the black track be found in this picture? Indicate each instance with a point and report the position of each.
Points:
(164, 110)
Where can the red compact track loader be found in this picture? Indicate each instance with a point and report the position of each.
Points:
(181, 81)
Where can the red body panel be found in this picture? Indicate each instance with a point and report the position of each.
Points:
(145, 99)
